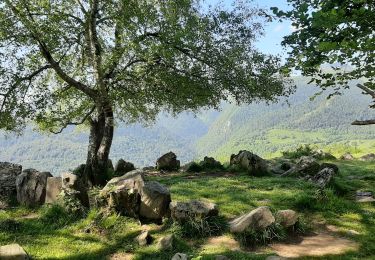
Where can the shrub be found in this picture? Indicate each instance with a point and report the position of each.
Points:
(252, 237)
(303, 150)
(201, 227)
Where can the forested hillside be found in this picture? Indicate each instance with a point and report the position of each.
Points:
(270, 129)
(264, 129)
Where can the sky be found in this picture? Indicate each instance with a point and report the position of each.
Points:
(274, 32)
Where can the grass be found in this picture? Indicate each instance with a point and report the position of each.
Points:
(57, 235)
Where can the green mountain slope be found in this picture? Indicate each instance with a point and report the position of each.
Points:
(268, 130)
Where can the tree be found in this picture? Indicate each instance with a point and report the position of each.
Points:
(78, 62)
(338, 33)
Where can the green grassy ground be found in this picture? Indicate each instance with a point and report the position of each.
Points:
(54, 235)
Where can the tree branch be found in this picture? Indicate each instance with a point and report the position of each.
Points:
(364, 122)
(75, 123)
(367, 90)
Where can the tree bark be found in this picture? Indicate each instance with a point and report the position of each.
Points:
(100, 142)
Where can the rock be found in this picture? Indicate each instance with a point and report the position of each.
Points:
(323, 177)
(221, 257)
(76, 184)
(180, 256)
(168, 162)
(131, 196)
(155, 199)
(144, 238)
(123, 167)
(257, 219)
(8, 176)
(166, 242)
(334, 167)
(31, 187)
(250, 162)
(347, 157)
(53, 189)
(368, 157)
(210, 163)
(287, 218)
(181, 211)
(305, 166)
(280, 167)
(13, 252)
(364, 196)
(123, 194)
(79, 170)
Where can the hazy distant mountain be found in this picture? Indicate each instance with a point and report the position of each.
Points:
(265, 129)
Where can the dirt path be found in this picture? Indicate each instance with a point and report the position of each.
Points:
(319, 244)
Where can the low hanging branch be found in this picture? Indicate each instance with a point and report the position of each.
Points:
(364, 122)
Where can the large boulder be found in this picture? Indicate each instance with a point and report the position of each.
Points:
(287, 218)
(8, 176)
(123, 167)
(155, 199)
(280, 166)
(182, 211)
(31, 187)
(131, 195)
(53, 189)
(13, 252)
(168, 162)
(123, 194)
(250, 162)
(347, 157)
(323, 177)
(305, 166)
(166, 242)
(75, 184)
(257, 219)
(368, 157)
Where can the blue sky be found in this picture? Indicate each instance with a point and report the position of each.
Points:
(274, 32)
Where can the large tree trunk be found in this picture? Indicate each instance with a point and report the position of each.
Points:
(100, 141)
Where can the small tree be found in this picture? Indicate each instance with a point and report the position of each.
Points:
(78, 62)
(339, 33)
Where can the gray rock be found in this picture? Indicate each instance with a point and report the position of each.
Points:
(155, 199)
(8, 176)
(168, 162)
(368, 157)
(334, 167)
(76, 184)
(182, 211)
(250, 162)
(257, 219)
(144, 238)
(31, 187)
(305, 166)
(53, 189)
(165, 243)
(180, 256)
(323, 177)
(123, 167)
(13, 252)
(347, 157)
(287, 218)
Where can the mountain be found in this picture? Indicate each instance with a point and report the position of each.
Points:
(270, 129)
(266, 129)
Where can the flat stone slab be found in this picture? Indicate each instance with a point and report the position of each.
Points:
(318, 245)
(364, 196)
(13, 252)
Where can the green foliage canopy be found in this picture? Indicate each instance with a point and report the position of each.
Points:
(61, 60)
(338, 33)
